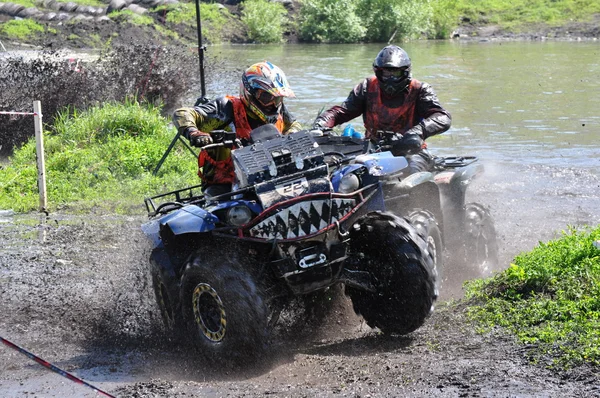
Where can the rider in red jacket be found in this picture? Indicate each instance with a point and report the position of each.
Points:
(393, 101)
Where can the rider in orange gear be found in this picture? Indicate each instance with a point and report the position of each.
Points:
(262, 90)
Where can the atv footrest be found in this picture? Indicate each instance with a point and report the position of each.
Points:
(455, 161)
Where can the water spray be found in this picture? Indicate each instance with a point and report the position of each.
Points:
(52, 367)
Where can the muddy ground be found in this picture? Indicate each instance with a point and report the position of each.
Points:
(74, 290)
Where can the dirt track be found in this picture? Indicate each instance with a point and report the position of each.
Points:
(74, 291)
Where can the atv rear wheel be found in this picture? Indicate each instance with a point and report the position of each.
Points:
(481, 243)
(402, 269)
(428, 228)
(223, 309)
(170, 311)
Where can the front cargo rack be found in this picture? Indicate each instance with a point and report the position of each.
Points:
(176, 199)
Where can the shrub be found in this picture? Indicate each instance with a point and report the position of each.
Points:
(403, 19)
(264, 20)
(214, 18)
(330, 21)
(444, 19)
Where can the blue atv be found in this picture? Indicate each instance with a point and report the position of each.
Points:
(298, 221)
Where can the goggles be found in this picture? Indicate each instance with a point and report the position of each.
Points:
(267, 99)
(392, 72)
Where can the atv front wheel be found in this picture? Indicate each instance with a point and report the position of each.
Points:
(402, 270)
(168, 305)
(428, 228)
(223, 309)
(481, 243)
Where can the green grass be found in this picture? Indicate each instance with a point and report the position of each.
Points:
(100, 158)
(519, 13)
(21, 29)
(549, 298)
(214, 18)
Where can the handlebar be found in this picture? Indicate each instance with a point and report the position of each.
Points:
(223, 139)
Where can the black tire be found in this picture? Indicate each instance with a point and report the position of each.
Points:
(169, 307)
(225, 314)
(428, 228)
(390, 249)
(481, 242)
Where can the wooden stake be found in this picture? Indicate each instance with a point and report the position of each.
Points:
(39, 144)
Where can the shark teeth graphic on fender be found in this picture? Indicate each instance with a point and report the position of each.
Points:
(301, 219)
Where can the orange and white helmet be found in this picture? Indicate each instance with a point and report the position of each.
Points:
(262, 90)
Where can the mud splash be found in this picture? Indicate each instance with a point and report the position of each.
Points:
(63, 81)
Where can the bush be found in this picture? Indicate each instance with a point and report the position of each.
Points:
(264, 20)
(444, 19)
(403, 19)
(330, 21)
(214, 18)
(350, 21)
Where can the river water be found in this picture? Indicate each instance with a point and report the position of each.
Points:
(529, 110)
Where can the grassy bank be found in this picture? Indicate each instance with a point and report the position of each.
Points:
(549, 298)
(102, 158)
(518, 15)
(323, 21)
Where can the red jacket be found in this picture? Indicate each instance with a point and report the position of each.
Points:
(418, 105)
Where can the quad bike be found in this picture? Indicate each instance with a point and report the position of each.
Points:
(461, 236)
(298, 220)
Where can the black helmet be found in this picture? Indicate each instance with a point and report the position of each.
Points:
(392, 68)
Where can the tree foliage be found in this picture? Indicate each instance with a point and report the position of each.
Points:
(265, 20)
(331, 21)
(350, 21)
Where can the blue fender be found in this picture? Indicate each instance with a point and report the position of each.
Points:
(383, 163)
(188, 219)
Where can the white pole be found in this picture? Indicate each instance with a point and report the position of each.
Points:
(39, 144)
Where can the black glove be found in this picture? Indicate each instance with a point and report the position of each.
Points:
(408, 143)
(319, 124)
(200, 139)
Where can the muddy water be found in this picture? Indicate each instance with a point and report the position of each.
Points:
(529, 110)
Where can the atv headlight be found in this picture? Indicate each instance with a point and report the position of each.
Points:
(349, 183)
(238, 215)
